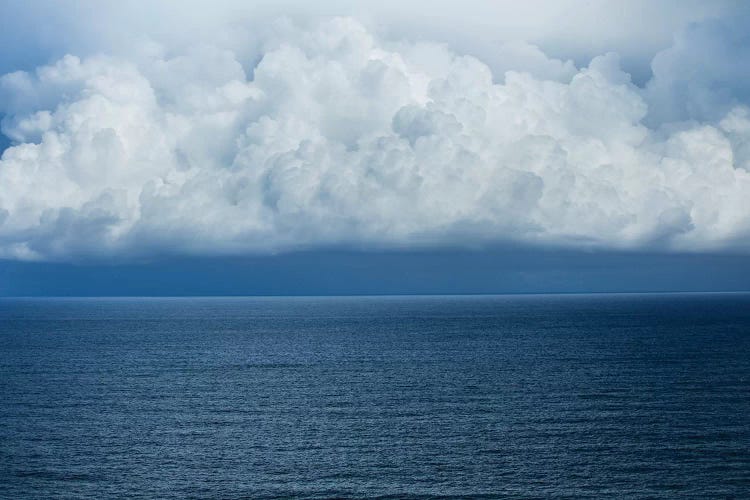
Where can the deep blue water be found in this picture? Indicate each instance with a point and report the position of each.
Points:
(621, 396)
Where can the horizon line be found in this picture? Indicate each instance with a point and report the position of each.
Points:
(376, 295)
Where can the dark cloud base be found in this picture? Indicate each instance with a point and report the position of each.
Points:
(344, 272)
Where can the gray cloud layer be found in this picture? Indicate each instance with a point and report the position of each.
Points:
(327, 133)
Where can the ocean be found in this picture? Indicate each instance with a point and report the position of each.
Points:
(538, 396)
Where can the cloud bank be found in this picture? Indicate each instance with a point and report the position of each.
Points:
(304, 135)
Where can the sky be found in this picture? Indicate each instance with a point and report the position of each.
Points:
(173, 148)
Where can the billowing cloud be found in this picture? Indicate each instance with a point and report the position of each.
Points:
(327, 134)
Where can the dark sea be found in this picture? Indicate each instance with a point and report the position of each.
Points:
(577, 396)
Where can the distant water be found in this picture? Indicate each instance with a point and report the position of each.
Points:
(619, 396)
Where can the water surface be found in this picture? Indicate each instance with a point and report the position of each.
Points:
(624, 396)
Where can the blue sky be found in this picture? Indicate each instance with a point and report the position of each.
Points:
(373, 147)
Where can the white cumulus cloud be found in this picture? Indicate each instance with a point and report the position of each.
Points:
(328, 134)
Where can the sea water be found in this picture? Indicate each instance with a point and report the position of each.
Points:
(581, 396)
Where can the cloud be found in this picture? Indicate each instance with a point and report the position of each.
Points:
(702, 75)
(44, 30)
(325, 133)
